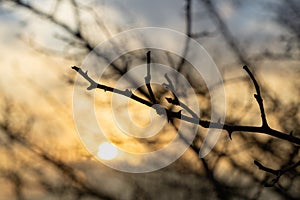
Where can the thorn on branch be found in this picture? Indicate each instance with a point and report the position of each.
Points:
(91, 87)
(128, 92)
(93, 84)
(230, 135)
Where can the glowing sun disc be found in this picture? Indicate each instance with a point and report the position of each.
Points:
(107, 151)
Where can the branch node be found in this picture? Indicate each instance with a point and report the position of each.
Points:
(92, 86)
(171, 115)
(128, 92)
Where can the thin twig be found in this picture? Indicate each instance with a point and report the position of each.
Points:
(278, 173)
(148, 78)
(188, 32)
(171, 87)
(94, 85)
(258, 97)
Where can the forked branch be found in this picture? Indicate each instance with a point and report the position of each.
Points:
(278, 173)
(264, 129)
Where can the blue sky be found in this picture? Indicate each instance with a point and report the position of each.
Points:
(250, 20)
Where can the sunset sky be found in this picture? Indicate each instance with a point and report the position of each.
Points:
(37, 81)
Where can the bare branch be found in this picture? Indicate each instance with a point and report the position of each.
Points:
(148, 78)
(94, 85)
(258, 98)
(188, 32)
(178, 115)
(170, 85)
(278, 173)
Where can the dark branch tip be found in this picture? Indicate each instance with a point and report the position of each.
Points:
(258, 164)
(148, 54)
(75, 68)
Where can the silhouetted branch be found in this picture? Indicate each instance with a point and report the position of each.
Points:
(278, 173)
(188, 32)
(170, 85)
(148, 78)
(258, 98)
(265, 129)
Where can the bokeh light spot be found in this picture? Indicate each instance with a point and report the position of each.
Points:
(107, 151)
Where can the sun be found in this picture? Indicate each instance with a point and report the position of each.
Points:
(107, 151)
